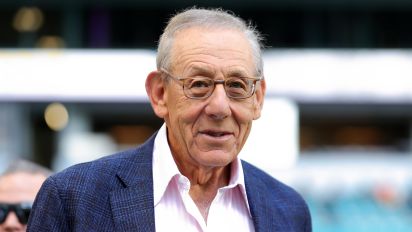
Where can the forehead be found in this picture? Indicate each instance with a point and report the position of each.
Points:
(212, 47)
(20, 187)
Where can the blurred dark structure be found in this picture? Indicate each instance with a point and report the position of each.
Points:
(134, 24)
(137, 24)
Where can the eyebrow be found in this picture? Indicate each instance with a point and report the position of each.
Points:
(207, 69)
(237, 71)
(201, 69)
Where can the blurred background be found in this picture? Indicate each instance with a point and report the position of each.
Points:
(337, 119)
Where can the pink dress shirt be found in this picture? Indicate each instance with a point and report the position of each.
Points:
(176, 211)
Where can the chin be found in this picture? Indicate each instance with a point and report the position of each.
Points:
(215, 159)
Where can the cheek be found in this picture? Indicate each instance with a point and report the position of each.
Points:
(243, 116)
(183, 115)
(188, 110)
(243, 113)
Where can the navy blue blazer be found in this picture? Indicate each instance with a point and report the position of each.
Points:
(115, 193)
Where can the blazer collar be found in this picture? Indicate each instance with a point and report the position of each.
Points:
(265, 213)
(132, 204)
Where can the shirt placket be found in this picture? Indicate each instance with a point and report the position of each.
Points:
(189, 204)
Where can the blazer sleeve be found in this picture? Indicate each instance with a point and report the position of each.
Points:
(48, 213)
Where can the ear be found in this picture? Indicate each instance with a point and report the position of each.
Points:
(155, 88)
(259, 98)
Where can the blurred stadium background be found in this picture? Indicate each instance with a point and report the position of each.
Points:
(337, 122)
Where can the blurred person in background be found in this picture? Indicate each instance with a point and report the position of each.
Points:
(19, 185)
(208, 88)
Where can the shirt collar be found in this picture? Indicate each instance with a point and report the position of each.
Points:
(165, 168)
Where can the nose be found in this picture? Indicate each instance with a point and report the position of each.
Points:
(12, 223)
(218, 103)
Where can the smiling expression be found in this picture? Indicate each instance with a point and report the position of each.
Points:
(210, 132)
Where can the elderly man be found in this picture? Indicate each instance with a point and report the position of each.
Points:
(208, 88)
(19, 185)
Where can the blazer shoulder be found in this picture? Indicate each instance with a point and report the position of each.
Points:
(110, 163)
(256, 175)
(82, 197)
(103, 172)
(100, 166)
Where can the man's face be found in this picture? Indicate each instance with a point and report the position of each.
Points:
(18, 188)
(210, 132)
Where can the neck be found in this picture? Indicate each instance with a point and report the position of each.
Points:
(204, 187)
(204, 184)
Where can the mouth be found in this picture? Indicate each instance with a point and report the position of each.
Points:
(216, 134)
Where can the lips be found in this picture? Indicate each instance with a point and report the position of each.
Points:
(214, 133)
(210, 139)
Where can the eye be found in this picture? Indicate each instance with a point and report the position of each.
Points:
(237, 83)
(3, 213)
(24, 215)
(198, 83)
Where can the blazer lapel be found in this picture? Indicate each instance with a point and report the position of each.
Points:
(132, 204)
(133, 209)
(265, 216)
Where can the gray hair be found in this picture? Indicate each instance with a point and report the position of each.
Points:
(24, 166)
(207, 18)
